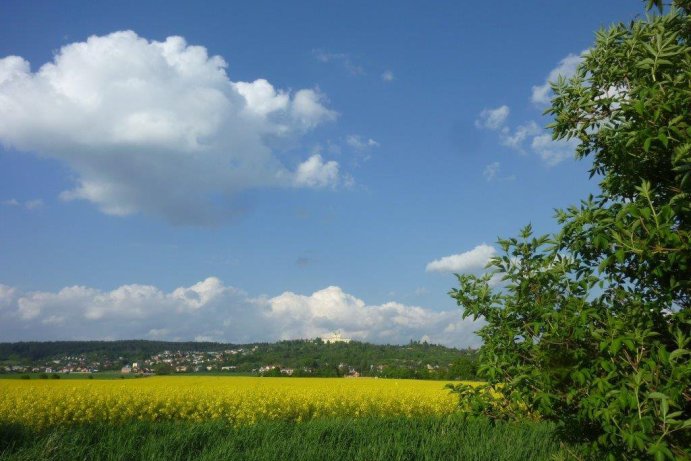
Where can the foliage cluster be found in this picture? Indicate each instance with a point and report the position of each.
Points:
(591, 325)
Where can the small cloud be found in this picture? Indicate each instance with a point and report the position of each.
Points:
(470, 261)
(308, 110)
(550, 151)
(491, 171)
(348, 181)
(419, 291)
(33, 204)
(514, 138)
(7, 295)
(553, 151)
(11, 202)
(387, 76)
(358, 143)
(29, 204)
(53, 320)
(208, 338)
(328, 147)
(314, 172)
(158, 333)
(493, 119)
(566, 68)
(343, 59)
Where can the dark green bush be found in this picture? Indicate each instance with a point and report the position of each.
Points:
(591, 326)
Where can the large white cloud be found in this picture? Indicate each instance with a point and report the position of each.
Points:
(211, 310)
(470, 261)
(157, 127)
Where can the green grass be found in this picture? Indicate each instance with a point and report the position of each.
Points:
(432, 438)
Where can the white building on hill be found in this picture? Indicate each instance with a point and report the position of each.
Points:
(335, 337)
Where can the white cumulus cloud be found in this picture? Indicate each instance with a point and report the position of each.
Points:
(468, 262)
(314, 172)
(493, 119)
(541, 94)
(155, 127)
(360, 144)
(553, 151)
(539, 142)
(217, 312)
(515, 138)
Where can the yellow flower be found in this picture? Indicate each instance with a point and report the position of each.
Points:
(239, 400)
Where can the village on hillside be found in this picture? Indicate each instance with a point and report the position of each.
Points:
(331, 355)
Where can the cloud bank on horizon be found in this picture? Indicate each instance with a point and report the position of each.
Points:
(212, 311)
(159, 127)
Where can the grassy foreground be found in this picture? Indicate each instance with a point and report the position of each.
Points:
(393, 438)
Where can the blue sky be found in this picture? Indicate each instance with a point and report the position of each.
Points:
(331, 170)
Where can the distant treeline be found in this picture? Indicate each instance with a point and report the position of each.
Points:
(306, 357)
(413, 360)
(134, 348)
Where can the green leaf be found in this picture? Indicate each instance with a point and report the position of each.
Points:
(663, 138)
(646, 144)
(620, 255)
(676, 353)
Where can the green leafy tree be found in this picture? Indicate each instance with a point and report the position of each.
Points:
(464, 368)
(591, 326)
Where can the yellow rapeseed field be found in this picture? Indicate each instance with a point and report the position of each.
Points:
(239, 400)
